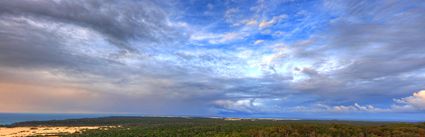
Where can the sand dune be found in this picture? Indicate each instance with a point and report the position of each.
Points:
(44, 131)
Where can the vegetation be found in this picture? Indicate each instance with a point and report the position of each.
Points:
(209, 127)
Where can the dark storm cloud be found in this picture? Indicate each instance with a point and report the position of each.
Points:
(120, 21)
(84, 46)
(25, 46)
(55, 34)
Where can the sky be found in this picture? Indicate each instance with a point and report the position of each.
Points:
(297, 59)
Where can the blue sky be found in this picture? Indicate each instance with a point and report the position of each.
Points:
(309, 59)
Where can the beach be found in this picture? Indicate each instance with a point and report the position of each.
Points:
(44, 130)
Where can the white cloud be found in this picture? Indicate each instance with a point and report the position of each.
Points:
(339, 108)
(414, 102)
(222, 38)
(251, 22)
(273, 21)
(228, 37)
(258, 42)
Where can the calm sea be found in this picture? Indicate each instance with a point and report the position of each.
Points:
(9, 118)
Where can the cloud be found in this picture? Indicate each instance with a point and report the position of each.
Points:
(339, 108)
(119, 26)
(251, 22)
(243, 105)
(356, 56)
(81, 48)
(144, 56)
(414, 102)
(221, 38)
(64, 32)
(264, 24)
(258, 42)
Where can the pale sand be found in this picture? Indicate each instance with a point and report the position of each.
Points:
(44, 131)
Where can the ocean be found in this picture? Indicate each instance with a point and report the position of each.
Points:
(10, 118)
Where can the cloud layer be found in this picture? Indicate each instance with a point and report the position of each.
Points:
(227, 58)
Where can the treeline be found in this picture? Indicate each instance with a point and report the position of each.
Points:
(236, 129)
(206, 127)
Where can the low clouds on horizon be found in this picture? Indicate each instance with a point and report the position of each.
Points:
(213, 58)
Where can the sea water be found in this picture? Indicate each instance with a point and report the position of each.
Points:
(10, 118)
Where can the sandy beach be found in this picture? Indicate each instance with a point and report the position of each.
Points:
(43, 130)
